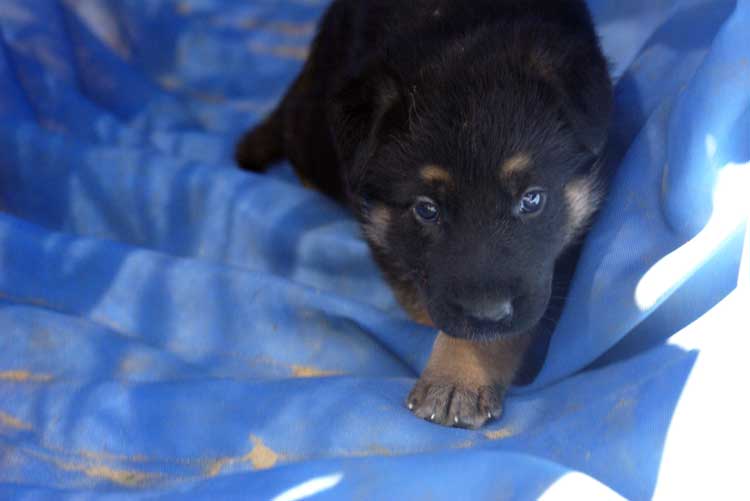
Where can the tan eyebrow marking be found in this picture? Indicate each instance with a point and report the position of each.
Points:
(435, 174)
(515, 164)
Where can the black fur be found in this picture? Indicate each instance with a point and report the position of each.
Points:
(392, 86)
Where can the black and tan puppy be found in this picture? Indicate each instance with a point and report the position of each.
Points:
(465, 135)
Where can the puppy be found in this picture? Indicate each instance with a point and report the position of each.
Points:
(466, 138)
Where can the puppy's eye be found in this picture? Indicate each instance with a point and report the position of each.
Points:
(532, 202)
(426, 210)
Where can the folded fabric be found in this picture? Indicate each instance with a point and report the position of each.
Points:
(171, 326)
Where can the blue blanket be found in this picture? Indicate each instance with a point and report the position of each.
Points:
(171, 326)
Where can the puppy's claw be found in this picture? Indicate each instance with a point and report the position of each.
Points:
(453, 405)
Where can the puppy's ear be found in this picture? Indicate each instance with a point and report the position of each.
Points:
(580, 78)
(587, 104)
(368, 108)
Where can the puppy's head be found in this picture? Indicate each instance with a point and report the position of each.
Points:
(469, 192)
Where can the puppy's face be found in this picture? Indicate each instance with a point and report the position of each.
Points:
(469, 190)
(471, 212)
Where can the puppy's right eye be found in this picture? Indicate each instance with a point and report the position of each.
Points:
(426, 211)
(532, 202)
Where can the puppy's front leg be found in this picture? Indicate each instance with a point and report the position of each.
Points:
(465, 381)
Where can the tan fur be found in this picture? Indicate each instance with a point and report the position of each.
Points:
(515, 164)
(476, 364)
(583, 197)
(376, 230)
(409, 300)
(376, 227)
(436, 174)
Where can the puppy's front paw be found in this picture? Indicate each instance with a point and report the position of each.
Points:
(452, 403)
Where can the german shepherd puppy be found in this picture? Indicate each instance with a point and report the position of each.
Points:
(466, 138)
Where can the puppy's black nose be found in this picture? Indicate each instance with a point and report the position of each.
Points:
(489, 311)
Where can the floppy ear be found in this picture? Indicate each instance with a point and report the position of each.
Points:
(587, 103)
(367, 109)
(579, 76)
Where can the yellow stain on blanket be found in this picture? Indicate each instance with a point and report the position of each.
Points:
(303, 371)
(125, 478)
(261, 457)
(12, 422)
(24, 377)
(290, 29)
(215, 467)
(96, 471)
(282, 51)
(499, 434)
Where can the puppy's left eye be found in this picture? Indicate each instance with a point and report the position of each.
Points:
(532, 202)
(426, 210)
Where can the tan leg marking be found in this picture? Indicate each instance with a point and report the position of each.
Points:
(465, 381)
